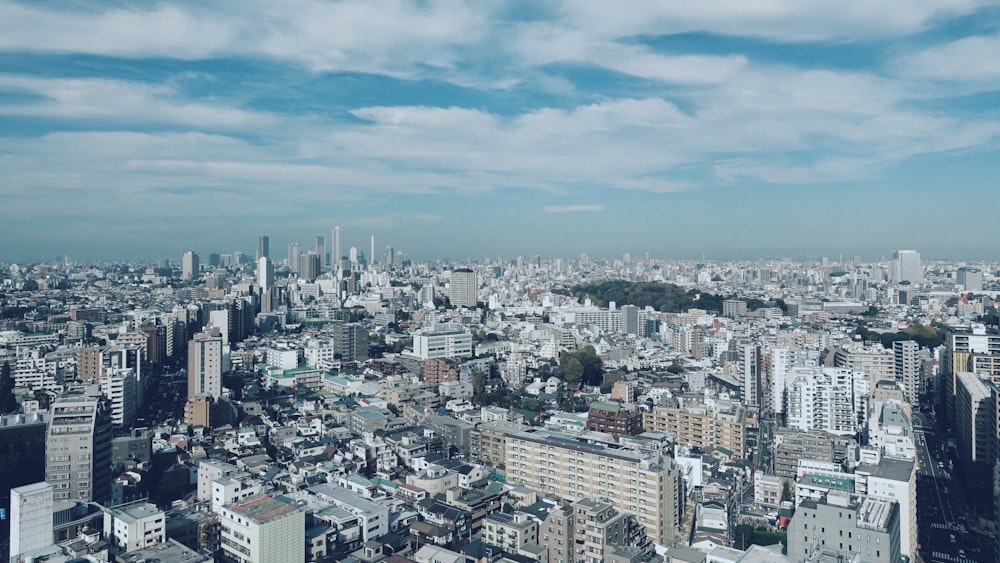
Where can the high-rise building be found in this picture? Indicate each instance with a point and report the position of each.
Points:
(336, 254)
(321, 251)
(205, 366)
(262, 529)
(970, 278)
(263, 247)
(829, 399)
(630, 320)
(189, 266)
(748, 358)
(265, 274)
(310, 268)
(372, 253)
(865, 527)
(463, 288)
(30, 518)
(294, 258)
(78, 446)
(906, 266)
(908, 372)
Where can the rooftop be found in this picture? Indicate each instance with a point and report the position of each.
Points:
(262, 508)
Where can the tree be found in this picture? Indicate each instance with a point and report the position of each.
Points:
(573, 369)
(786, 491)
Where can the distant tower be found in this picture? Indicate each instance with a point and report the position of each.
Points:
(371, 256)
(205, 366)
(321, 251)
(263, 247)
(78, 447)
(970, 278)
(294, 256)
(463, 288)
(265, 274)
(336, 255)
(907, 267)
(354, 258)
(189, 266)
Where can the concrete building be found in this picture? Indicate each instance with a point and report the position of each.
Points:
(510, 532)
(971, 279)
(591, 531)
(442, 344)
(833, 400)
(792, 446)
(702, 426)
(30, 518)
(78, 447)
(190, 266)
(134, 526)
(842, 527)
(908, 372)
(463, 288)
(646, 484)
(205, 366)
(263, 247)
(906, 266)
(22, 445)
(895, 480)
(262, 529)
(975, 424)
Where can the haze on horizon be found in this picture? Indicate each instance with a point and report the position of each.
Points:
(462, 130)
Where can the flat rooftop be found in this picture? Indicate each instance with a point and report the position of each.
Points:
(262, 508)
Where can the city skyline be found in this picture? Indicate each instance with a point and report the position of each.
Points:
(457, 131)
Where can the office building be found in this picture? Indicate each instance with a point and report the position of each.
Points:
(294, 258)
(908, 370)
(906, 266)
(895, 480)
(263, 247)
(30, 518)
(840, 527)
(975, 424)
(630, 321)
(205, 366)
(78, 446)
(967, 349)
(321, 251)
(463, 288)
(442, 344)
(350, 341)
(189, 266)
(22, 446)
(971, 279)
(748, 368)
(646, 484)
(262, 529)
(265, 274)
(310, 267)
(336, 253)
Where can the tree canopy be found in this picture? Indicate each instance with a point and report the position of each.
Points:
(664, 297)
(582, 365)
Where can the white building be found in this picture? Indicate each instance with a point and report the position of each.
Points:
(833, 400)
(30, 518)
(135, 526)
(442, 344)
(263, 530)
(121, 389)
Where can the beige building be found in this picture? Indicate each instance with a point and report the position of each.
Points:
(262, 529)
(591, 531)
(701, 426)
(646, 484)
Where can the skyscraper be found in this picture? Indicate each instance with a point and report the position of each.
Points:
(205, 366)
(907, 360)
(263, 247)
(294, 257)
(189, 266)
(336, 254)
(265, 274)
(907, 267)
(463, 288)
(321, 251)
(78, 446)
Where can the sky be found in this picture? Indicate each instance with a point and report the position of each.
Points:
(464, 130)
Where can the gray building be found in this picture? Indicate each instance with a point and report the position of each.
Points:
(839, 525)
(816, 446)
(132, 450)
(78, 447)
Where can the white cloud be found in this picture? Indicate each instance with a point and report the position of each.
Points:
(578, 208)
(970, 59)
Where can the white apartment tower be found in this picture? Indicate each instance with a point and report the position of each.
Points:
(265, 274)
(463, 288)
(205, 366)
(907, 357)
(833, 400)
(906, 266)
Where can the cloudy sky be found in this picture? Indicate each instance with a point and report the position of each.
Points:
(453, 129)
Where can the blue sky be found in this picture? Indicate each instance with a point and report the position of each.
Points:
(456, 130)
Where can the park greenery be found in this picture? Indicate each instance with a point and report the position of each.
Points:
(664, 297)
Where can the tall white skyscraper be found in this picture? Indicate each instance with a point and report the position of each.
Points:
(205, 366)
(371, 257)
(265, 274)
(907, 267)
(294, 257)
(337, 253)
(190, 266)
(463, 288)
